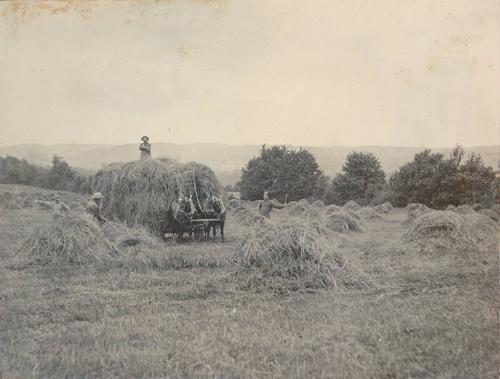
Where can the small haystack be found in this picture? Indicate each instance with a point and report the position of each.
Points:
(143, 191)
(292, 255)
(491, 214)
(368, 213)
(414, 211)
(450, 207)
(351, 204)
(450, 229)
(384, 208)
(496, 208)
(318, 204)
(69, 240)
(247, 215)
(298, 208)
(465, 209)
(342, 222)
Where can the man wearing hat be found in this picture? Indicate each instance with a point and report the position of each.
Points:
(145, 148)
(267, 205)
(94, 206)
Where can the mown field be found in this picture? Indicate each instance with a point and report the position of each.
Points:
(424, 314)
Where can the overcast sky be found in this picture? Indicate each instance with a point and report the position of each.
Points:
(357, 72)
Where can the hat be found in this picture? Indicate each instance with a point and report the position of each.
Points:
(97, 195)
(266, 193)
(145, 138)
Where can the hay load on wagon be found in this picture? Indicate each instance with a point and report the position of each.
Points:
(145, 192)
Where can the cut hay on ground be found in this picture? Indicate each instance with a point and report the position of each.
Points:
(45, 201)
(290, 256)
(342, 222)
(142, 192)
(450, 229)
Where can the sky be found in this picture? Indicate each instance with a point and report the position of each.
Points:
(311, 73)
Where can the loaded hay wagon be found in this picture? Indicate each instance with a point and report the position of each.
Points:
(153, 193)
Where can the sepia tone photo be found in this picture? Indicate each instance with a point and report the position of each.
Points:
(249, 189)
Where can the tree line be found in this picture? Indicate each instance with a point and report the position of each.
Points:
(288, 174)
(430, 178)
(60, 176)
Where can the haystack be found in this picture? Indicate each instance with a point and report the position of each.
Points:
(69, 240)
(465, 209)
(351, 204)
(247, 215)
(450, 207)
(450, 229)
(142, 192)
(342, 222)
(292, 255)
(368, 213)
(414, 211)
(384, 208)
(318, 204)
(496, 208)
(298, 208)
(491, 214)
(332, 208)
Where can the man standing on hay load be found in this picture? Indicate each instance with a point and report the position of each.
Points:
(94, 206)
(267, 205)
(145, 148)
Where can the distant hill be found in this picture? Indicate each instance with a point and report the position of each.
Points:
(225, 160)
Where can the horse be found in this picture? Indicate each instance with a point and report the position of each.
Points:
(214, 209)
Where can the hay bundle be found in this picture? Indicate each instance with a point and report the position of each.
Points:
(342, 222)
(142, 192)
(351, 204)
(384, 208)
(450, 207)
(292, 255)
(72, 239)
(450, 229)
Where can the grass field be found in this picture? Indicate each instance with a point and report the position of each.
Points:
(426, 315)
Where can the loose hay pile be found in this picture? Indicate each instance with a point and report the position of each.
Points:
(69, 240)
(448, 229)
(142, 192)
(293, 255)
(246, 215)
(342, 222)
(77, 240)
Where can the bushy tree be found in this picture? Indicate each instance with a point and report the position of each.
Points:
(432, 180)
(361, 179)
(294, 174)
(19, 171)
